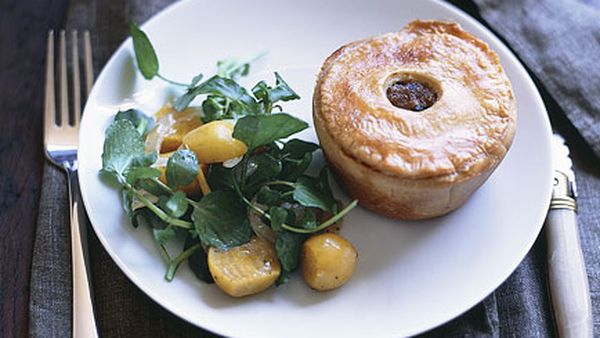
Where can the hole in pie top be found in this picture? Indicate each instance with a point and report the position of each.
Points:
(411, 94)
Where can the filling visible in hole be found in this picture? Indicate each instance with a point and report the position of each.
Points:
(411, 95)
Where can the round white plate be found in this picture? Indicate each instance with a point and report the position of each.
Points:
(411, 276)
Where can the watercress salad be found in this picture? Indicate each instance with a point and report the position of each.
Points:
(268, 183)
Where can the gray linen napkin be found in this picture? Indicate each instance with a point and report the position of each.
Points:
(520, 307)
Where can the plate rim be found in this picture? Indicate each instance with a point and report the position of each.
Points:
(512, 59)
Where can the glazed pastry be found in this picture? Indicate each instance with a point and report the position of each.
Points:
(414, 122)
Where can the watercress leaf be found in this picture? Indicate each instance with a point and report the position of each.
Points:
(144, 52)
(182, 168)
(260, 130)
(308, 194)
(283, 278)
(177, 204)
(294, 168)
(288, 248)
(145, 160)
(184, 100)
(237, 109)
(151, 187)
(195, 80)
(261, 91)
(213, 108)
(296, 148)
(219, 86)
(291, 218)
(228, 88)
(261, 168)
(140, 173)
(268, 96)
(148, 218)
(142, 122)
(220, 220)
(309, 219)
(278, 217)
(122, 145)
(324, 185)
(135, 217)
(220, 178)
(127, 199)
(232, 68)
(282, 91)
(268, 196)
(162, 236)
(198, 261)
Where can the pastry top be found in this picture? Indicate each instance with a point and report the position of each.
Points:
(460, 115)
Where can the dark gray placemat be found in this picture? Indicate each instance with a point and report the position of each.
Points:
(559, 40)
(520, 307)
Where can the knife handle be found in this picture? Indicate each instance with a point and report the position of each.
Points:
(569, 287)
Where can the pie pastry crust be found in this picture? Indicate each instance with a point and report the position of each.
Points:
(406, 164)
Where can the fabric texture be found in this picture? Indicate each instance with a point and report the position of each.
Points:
(557, 40)
(548, 36)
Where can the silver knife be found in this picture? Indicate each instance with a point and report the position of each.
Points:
(569, 287)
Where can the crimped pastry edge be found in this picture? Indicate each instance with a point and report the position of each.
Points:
(475, 165)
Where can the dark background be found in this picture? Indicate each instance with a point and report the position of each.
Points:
(23, 27)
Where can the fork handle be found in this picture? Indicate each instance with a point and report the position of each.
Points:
(84, 323)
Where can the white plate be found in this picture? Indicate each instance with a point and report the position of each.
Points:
(412, 276)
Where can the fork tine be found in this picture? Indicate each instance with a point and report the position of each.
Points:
(64, 95)
(89, 71)
(76, 87)
(50, 100)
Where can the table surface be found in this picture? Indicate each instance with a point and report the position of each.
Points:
(23, 27)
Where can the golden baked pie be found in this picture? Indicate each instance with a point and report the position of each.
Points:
(414, 122)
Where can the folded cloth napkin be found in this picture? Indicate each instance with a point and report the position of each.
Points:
(548, 36)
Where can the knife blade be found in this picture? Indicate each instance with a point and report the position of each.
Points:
(569, 288)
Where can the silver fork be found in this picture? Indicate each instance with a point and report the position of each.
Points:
(60, 145)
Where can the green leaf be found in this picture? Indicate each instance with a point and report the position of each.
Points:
(308, 194)
(324, 185)
(141, 121)
(220, 178)
(182, 168)
(278, 217)
(227, 88)
(232, 68)
(219, 86)
(220, 220)
(151, 187)
(214, 108)
(282, 91)
(260, 130)
(140, 173)
(176, 205)
(296, 148)
(195, 80)
(294, 168)
(127, 199)
(268, 196)
(145, 160)
(144, 52)
(309, 219)
(268, 96)
(148, 218)
(283, 278)
(288, 248)
(122, 145)
(261, 168)
(162, 236)
(198, 261)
